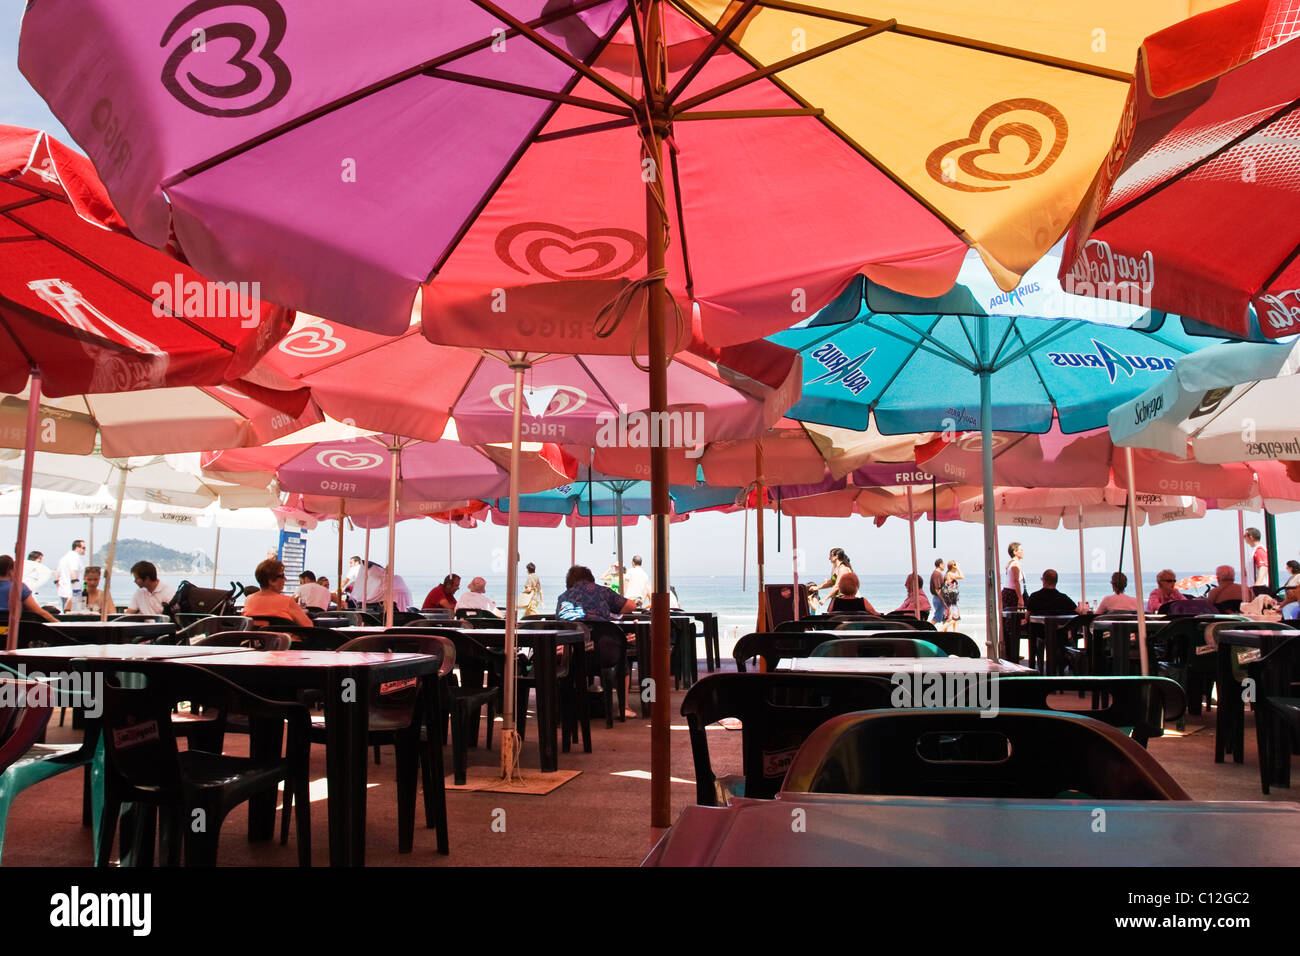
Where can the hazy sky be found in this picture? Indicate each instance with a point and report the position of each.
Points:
(706, 544)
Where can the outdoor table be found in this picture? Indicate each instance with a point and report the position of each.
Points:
(685, 663)
(855, 830)
(543, 643)
(886, 666)
(345, 680)
(1122, 631)
(113, 632)
(1230, 715)
(1054, 649)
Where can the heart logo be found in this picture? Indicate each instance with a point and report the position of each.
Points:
(349, 461)
(313, 340)
(543, 401)
(964, 164)
(550, 250)
(198, 70)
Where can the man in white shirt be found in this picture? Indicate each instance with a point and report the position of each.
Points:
(152, 594)
(636, 583)
(35, 574)
(71, 568)
(476, 598)
(312, 594)
(367, 587)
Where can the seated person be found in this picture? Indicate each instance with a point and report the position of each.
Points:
(1164, 592)
(29, 600)
(1048, 600)
(1227, 589)
(846, 599)
(312, 594)
(443, 596)
(1291, 591)
(476, 599)
(92, 595)
(1119, 601)
(585, 600)
(271, 601)
(151, 595)
(916, 598)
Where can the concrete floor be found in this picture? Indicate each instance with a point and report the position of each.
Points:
(600, 818)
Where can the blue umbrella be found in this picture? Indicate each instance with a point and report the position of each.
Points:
(979, 358)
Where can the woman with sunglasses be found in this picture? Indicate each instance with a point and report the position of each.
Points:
(271, 601)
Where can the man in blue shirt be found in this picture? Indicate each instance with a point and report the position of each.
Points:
(29, 602)
(585, 600)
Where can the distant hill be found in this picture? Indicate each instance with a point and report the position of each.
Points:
(131, 550)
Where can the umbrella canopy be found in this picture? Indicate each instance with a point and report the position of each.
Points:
(1230, 403)
(984, 131)
(160, 421)
(95, 310)
(1195, 209)
(1076, 508)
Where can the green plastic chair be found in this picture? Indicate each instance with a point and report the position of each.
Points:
(877, 647)
(25, 763)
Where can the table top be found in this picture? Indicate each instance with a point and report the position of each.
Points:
(1107, 623)
(313, 659)
(1251, 637)
(119, 652)
(846, 830)
(892, 665)
(1044, 618)
(97, 625)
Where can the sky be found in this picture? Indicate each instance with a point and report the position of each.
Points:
(708, 544)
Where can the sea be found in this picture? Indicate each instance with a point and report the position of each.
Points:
(733, 599)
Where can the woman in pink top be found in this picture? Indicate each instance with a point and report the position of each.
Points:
(1165, 590)
(271, 601)
(1119, 601)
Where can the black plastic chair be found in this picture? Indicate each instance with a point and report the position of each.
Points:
(146, 768)
(876, 647)
(1023, 754)
(466, 698)
(771, 646)
(253, 640)
(954, 643)
(315, 638)
(1229, 607)
(611, 651)
(1135, 705)
(204, 626)
(403, 714)
(777, 712)
(272, 621)
(1277, 711)
(846, 605)
(922, 623)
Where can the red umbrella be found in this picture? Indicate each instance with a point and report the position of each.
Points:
(1196, 209)
(85, 308)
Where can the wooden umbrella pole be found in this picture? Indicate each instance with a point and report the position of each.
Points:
(216, 556)
(510, 742)
(339, 581)
(1083, 576)
(364, 578)
(1241, 544)
(395, 457)
(24, 503)
(911, 534)
(1137, 566)
(653, 135)
(794, 550)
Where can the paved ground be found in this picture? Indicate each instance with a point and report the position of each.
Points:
(599, 818)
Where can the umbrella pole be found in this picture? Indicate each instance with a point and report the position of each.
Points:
(1137, 565)
(1270, 541)
(794, 557)
(1083, 577)
(1241, 544)
(24, 502)
(1123, 533)
(112, 547)
(510, 743)
(744, 553)
(450, 568)
(658, 126)
(216, 556)
(573, 544)
(991, 593)
(395, 454)
(364, 577)
(618, 538)
(339, 581)
(911, 534)
(758, 544)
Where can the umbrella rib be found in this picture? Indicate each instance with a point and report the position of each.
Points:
(509, 167)
(1169, 181)
(719, 37)
(928, 343)
(997, 352)
(562, 55)
(1039, 375)
(746, 114)
(951, 39)
(582, 364)
(507, 87)
(377, 87)
(646, 84)
(853, 144)
(681, 223)
(1049, 335)
(584, 130)
(780, 65)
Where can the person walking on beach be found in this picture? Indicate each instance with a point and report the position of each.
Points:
(532, 598)
(1013, 599)
(950, 594)
(936, 593)
(1259, 560)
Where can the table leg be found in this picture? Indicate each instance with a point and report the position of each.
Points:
(712, 642)
(265, 738)
(346, 710)
(579, 665)
(1222, 691)
(643, 663)
(544, 661)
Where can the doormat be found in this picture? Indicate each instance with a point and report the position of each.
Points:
(534, 782)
